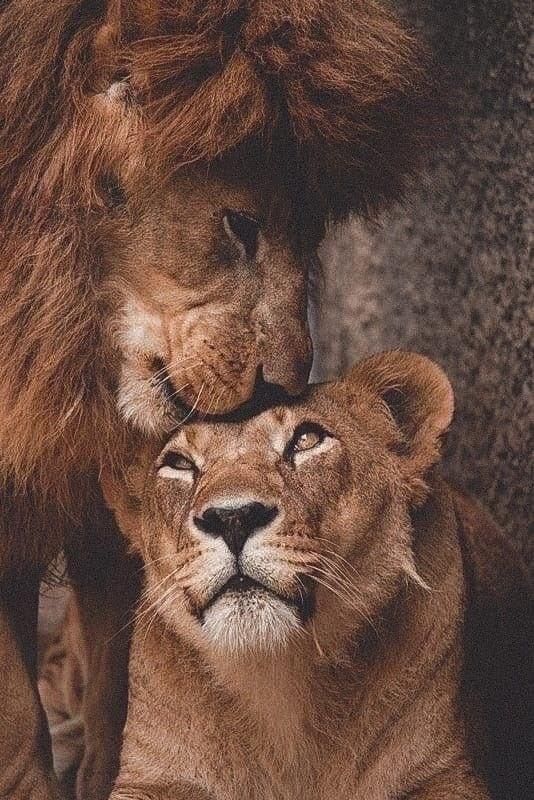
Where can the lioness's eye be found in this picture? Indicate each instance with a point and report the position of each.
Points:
(243, 229)
(307, 436)
(175, 463)
(307, 440)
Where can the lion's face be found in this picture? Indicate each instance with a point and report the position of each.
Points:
(208, 280)
(295, 521)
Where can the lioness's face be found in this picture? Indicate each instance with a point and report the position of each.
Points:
(208, 279)
(293, 521)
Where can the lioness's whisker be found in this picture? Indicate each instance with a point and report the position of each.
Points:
(155, 606)
(335, 554)
(151, 591)
(347, 599)
(342, 579)
(332, 589)
(338, 570)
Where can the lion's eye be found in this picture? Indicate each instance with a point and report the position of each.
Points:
(243, 230)
(176, 465)
(307, 436)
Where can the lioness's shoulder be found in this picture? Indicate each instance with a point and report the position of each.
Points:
(492, 563)
(498, 655)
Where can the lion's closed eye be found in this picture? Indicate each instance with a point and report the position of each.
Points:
(243, 229)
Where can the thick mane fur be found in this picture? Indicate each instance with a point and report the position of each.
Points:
(339, 85)
(335, 88)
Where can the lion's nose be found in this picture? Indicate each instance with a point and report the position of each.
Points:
(291, 377)
(235, 524)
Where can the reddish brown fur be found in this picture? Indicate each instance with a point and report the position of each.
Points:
(359, 700)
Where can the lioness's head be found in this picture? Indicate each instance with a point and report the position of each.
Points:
(298, 519)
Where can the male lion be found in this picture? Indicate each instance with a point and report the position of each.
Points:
(167, 170)
(302, 634)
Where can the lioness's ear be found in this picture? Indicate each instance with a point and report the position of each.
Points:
(418, 396)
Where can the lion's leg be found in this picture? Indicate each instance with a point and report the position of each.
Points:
(106, 583)
(25, 763)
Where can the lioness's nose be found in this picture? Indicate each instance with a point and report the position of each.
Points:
(235, 524)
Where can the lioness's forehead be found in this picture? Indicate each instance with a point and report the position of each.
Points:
(267, 431)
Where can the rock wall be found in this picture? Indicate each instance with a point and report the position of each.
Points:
(449, 272)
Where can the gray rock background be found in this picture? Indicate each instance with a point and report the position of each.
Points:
(449, 273)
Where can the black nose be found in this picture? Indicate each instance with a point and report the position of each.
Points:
(235, 524)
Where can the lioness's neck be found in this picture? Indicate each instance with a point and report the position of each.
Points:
(275, 689)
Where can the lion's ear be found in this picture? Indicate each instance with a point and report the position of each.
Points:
(419, 398)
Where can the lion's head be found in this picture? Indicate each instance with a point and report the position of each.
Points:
(167, 171)
(294, 520)
(208, 289)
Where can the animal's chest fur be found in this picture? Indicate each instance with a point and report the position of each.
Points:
(211, 739)
(360, 730)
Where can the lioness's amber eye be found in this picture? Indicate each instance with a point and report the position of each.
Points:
(307, 440)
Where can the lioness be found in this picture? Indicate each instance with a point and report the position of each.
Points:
(302, 633)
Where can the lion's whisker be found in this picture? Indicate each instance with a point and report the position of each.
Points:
(177, 391)
(172, 365)
(211, 400)
(192, 409)
(224, 391)
(167, 379)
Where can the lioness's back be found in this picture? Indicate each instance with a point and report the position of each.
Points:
(499, 664)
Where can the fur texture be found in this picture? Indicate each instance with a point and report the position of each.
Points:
(128, 130)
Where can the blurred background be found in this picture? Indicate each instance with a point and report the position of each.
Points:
(449, 273)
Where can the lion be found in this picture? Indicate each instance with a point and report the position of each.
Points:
(167, 171)
(303, 626)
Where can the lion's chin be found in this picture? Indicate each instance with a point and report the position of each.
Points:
(248, 623)
(154, 406)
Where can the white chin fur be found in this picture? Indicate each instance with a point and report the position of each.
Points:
(251, 623)
(141, 404)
